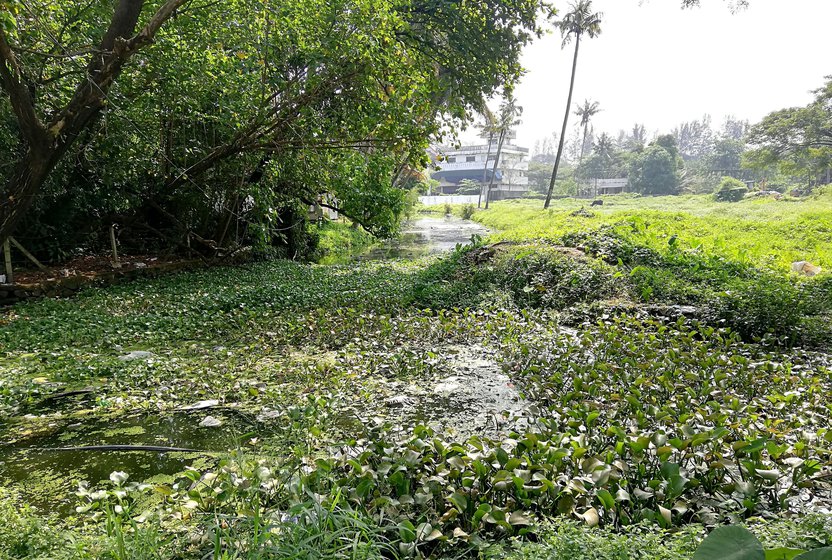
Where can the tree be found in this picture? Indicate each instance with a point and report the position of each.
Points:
(544, 153)
(578, 21)
(668, 142)
(695, 139)
(223, 126)
(735, 5)
(489, 128)
(46, 138)
(604, 162)
(654, 171)
(509, 113)
(585, 112)
(734, 129)
(726, 155)
(539, 176)
(637, 139)
(798, 140)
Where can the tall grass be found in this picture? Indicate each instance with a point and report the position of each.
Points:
(761, 232)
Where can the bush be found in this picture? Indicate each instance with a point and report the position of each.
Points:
(528, 275)
(730, 190)
(467, 186)
(448, 209)
(467, 211)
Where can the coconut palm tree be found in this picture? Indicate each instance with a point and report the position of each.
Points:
(580, 21)
(508, 118)
(489, 128)
(585, 112)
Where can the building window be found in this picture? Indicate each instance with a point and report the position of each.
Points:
(451, 160)
(470, 158)
(492, 158)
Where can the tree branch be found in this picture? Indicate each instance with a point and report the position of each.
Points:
(22, 103)
(340, 211)
(117, 46)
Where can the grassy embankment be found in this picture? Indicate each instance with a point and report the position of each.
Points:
(758, 232)
(731, 261)
(639, 430)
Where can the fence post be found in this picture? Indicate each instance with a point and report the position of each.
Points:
(7, 256)
(116, 263)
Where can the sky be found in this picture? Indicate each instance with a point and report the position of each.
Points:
(658, 64)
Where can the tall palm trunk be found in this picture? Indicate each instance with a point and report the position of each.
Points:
(485, 168)
(583, 144)
(565, 121)
(496, 163)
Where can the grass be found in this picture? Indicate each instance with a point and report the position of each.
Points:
(759, 232)
(337, 240)
(731, 261)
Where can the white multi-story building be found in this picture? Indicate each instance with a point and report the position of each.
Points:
(476, 163)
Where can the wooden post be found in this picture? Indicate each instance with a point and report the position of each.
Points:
(116, 264)
(26, 253)
(7, 256)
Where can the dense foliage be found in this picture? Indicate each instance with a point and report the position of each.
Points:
(798, 139)
(730, 190)
(220, 134)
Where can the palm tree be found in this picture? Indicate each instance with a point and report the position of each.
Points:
(508, 119)
(579, 21)
(604, 151)
(585, 112)
(490, 127)
(638, 138)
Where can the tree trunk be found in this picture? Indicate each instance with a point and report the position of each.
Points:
(565, 121)
(21, 189)
(46, 143)
(485, 168)
(583, 144)
(494, 170)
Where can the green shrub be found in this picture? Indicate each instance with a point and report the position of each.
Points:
(453, 282)
(539, 276)
(336, 239)
(467, 211)
(730, 190)
(530, 275)
(468, 186)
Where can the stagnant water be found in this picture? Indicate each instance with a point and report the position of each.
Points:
(472, 395)
(426, 236)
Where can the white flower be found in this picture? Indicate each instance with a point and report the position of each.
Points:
(118, 477)
(263, 473)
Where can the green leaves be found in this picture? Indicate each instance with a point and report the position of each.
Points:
(735, 542)
(730, 543)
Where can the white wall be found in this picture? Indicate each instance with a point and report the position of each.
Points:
(449, 199)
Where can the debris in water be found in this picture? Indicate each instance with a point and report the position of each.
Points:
(210, 422)
(201, 404)
(136, 355)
